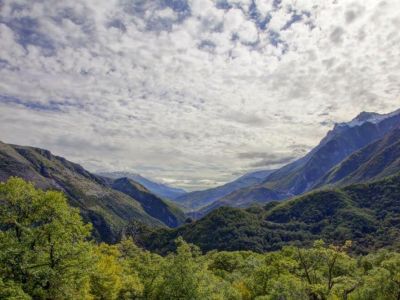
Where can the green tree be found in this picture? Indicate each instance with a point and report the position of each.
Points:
(327, 271)
(42, 242)
(106, 279)
(132, 286)
(12, 291)
(144, 264)
(276, 278)
(182, 274)
(381, 280)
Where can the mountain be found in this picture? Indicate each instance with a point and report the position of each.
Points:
(370, 117)
(377, 160)
(199, 199)
(339, 143)
(107, 209)
(305, 173)
(367, 214)
(159, 189)
(156, 207)
(240, 199)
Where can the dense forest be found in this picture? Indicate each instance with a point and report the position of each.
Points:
(46, 253)
(367, 214)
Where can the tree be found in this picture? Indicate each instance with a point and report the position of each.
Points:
(381, 278)
(106, 279)
(42, 242)
(326, 270)
(132, 286)
(181, 274)
(12, 291)
(144, 264)
(276, 278)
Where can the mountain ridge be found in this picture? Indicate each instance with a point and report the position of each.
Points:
(367, 214)
(152, 204)
(376, 160)
(107, 209)
(200, 199)
(303, 174)
(160, 189)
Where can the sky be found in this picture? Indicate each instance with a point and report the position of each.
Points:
(192, 93)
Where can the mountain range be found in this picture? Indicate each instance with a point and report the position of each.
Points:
(249, 211)
(376, 160)
(367, 214)
(161, 190)
(198, 199)
(316, 168)
(109, 205)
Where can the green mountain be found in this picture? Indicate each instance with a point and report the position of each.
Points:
(107, 209)
(377, 160)
(367, 214)
(159, 189)
(306, 173)
(156, 207)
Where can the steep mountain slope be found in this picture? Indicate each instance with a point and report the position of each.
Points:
(377, 160)
(161, 190)
(153, 205)
(367, 214)
(304, 174)
(109, 210)
(199, 199)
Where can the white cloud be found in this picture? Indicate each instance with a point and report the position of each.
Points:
(264, 7)
(8, 42)
(245, 4)
(248, 32)
(178, 94)
(279, 18)
(167, 13)
(204, 8)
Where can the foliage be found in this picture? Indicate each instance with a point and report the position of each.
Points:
(367, 214)
(42, 242)
(109, 210)
(45, 254)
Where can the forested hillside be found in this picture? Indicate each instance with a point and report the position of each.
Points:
(45, 254)
(367, 214)
(108, 209)
(377, 160)
(367, 146)
(158, 208)
(200, 150)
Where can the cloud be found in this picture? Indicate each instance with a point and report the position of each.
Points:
(279, 18)
(264, 7)
(249, 119)
(266, 160)
(176, 89)
(248, 32)
(337, 36)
